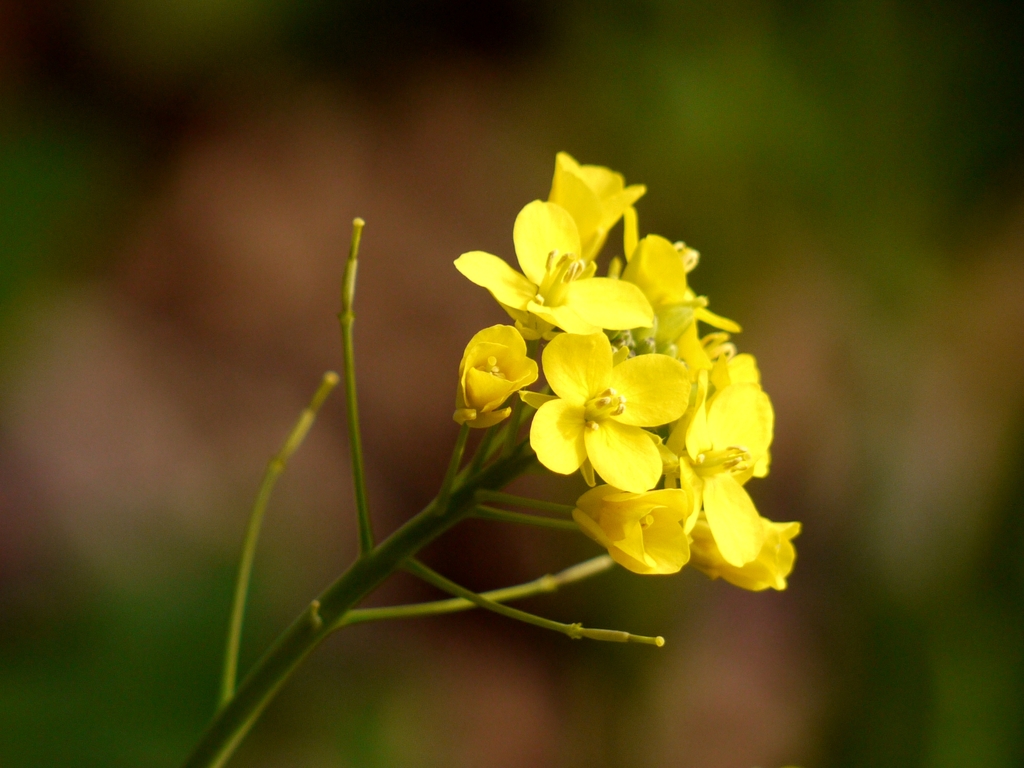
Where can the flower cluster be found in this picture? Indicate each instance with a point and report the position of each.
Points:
(644, 391)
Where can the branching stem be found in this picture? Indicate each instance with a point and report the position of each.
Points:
(575, 631)
(498, 497)
(543, 585)
(347, 319)
(504, 516)
(252, 532)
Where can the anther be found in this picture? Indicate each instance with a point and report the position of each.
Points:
(620, 410)
(593, 426)
(551, 258)
(700, 458)
(603, 401)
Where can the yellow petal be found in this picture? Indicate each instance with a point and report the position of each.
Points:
(541, 228)
(624, 456)
(741, 415)
(564, 317)
(656, 267)
(707, 316)
(691, 351)
(578, 367)
(570, 190)
(656, 388)
(733, 518)
(666, 544)
(505, 284)
(485, 391)
(630, 232)
(743, 368)
(698, 438)
(612, 304)
(556, 435)
(501, 334)
(535, 399)
(484, 420)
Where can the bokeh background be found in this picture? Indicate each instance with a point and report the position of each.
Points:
(177, 180)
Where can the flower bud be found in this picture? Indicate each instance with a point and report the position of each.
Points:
(494, 366)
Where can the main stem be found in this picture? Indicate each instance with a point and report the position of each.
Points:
(348, 318)
(233, 721)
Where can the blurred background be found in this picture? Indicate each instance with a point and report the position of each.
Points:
(177, 182)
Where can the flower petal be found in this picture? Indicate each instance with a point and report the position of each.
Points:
(578, 367)
(705, 315)
(656, 267)
(613, 304)
(541, 228)
(624, 456)
(666, 543)
(535, 399)
(563, 317)
(656, 388)
(733, 518)
(505, 284)
(741, 415)
(557, 436)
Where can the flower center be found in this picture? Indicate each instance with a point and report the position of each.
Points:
(491, 367)
(646, 521)
(606, 405)
(735, 459)
(562, 269)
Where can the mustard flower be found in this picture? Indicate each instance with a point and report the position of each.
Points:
(769, 569)
(595, 196)
(644, 532)
(600, 409)
(557, 287)
(494, 365)
(722, 443)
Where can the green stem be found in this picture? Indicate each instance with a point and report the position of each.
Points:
(575, 631)
(453, 466)
(347, 319)
(252, 532)
(543, 585)
(504, 516)
(498, 497)
(482, 450)
(233, 721)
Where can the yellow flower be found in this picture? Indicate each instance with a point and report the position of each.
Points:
(659, 269)
(493, 366)
(644, 532)
(558, 289)
(769, 569)
(595, 196)
(721, 445)
(600, 409)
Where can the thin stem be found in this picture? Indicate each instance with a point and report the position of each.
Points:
(482, 450)
(543, 585)
(575, 631)
(453, 466)
(504, 516)
(234, 720)
(252, 532)
(348, 318)
(512, 433)
(497, 497)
